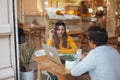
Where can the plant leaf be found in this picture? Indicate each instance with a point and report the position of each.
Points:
(27, 55)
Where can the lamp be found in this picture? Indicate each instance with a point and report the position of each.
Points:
(71, 11)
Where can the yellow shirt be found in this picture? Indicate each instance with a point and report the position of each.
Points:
(70, 43)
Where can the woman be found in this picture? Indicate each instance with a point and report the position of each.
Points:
(59, 39)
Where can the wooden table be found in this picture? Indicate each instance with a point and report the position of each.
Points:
(34, 32)
(45, 64)
(78, 36)
(114, 42)
(73, 32)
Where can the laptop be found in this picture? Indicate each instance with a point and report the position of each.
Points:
(53, 54)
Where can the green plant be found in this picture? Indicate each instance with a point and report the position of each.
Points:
(26, 57)
(70, 57)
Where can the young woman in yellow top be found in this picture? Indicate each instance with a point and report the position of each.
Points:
(59, 39)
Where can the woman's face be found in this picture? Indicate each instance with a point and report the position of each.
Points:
(60, 31)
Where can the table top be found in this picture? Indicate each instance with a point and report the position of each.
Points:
(28, 28)
(51, 66)
(74, 32)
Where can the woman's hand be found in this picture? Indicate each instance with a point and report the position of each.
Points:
(51, 33)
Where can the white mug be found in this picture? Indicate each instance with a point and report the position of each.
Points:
(78, 54)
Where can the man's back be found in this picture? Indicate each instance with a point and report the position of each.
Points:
(83, 8)
(107, 64)
(102, 63)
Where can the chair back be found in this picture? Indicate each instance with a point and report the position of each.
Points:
(117, 31)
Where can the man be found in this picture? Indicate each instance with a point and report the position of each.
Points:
(102, 62)
(83, 8)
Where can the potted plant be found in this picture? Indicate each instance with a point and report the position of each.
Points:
(70, 59)
(26, 72)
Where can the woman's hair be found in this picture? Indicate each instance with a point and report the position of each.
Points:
(64, 37)
(98, 35)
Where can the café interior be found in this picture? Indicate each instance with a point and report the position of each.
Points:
(37, 17)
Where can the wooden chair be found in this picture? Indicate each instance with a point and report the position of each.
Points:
(37, 34)
(117, 31)
(83, 40)
(79, 42)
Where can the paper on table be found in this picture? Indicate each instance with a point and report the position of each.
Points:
(40, 52)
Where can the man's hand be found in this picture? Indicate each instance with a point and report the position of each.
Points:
(83, 55)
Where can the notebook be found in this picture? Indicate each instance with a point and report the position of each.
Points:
(53, 54)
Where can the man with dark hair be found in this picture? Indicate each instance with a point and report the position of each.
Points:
(102, 61)
(98, 35)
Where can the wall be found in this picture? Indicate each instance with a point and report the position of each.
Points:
(30, 7)
(111, 9)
